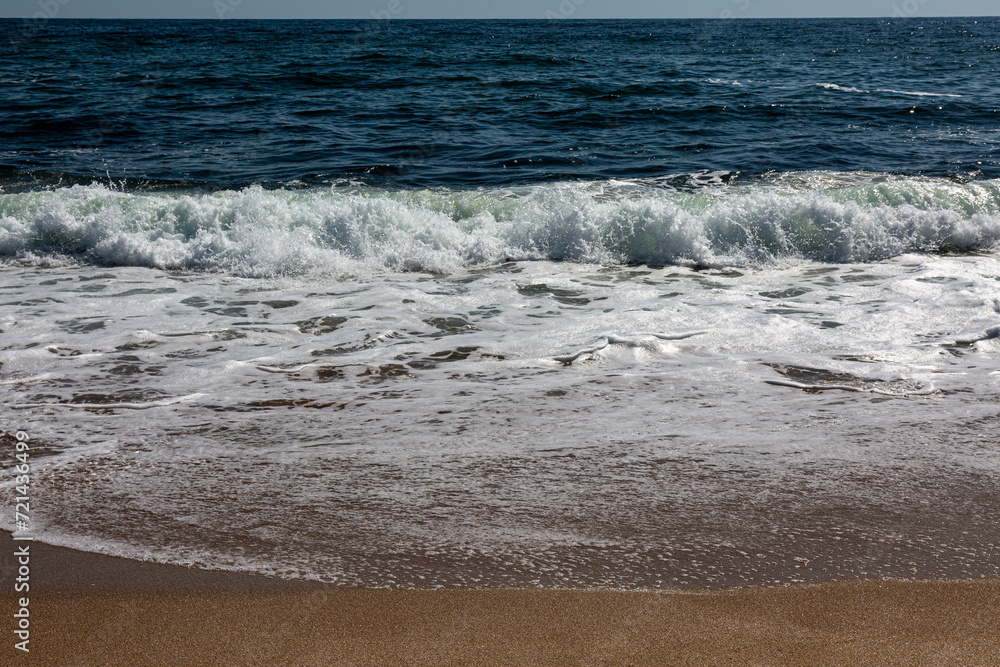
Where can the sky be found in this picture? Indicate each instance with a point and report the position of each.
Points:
(414, 9)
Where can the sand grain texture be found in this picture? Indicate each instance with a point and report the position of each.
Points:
(95, 610)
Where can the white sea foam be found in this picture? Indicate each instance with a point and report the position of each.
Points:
(852, 89)
(262, 233)
(915, 93)
(434, 429)
(845, 89)
(127, 405)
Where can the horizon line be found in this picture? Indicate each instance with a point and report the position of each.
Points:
(509, 18)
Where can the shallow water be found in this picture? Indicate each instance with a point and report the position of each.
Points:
(602, 304)
(537, 423)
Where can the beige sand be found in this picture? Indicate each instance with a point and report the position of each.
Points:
(94, 610)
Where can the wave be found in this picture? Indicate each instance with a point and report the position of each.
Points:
(359, 230)
(852, 89)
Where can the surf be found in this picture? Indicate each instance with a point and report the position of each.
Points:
(362, 230)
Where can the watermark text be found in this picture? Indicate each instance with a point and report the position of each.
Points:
(22, 540)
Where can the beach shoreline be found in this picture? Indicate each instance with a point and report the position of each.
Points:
(500, 342)
(100, 610)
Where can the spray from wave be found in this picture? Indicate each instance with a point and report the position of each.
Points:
(358, 230)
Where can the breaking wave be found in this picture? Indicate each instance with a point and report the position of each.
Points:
(357, 230)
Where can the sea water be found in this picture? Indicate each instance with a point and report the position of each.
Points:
(597, 304)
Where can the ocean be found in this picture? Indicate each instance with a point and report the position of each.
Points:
(591, 304)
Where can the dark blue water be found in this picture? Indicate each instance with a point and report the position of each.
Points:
(482, 103)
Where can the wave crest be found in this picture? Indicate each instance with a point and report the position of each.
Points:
(269, 233)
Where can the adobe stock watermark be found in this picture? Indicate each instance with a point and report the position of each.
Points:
(741, 6)
(566, 9)
(907, 8)
(22, 541)
(223, 7)
(382, 22)
(392, 9)
(47, 10)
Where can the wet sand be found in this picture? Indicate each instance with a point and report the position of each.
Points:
(88, 609)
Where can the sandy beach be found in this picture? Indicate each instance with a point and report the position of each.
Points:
(452, 333)
(88, 609)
